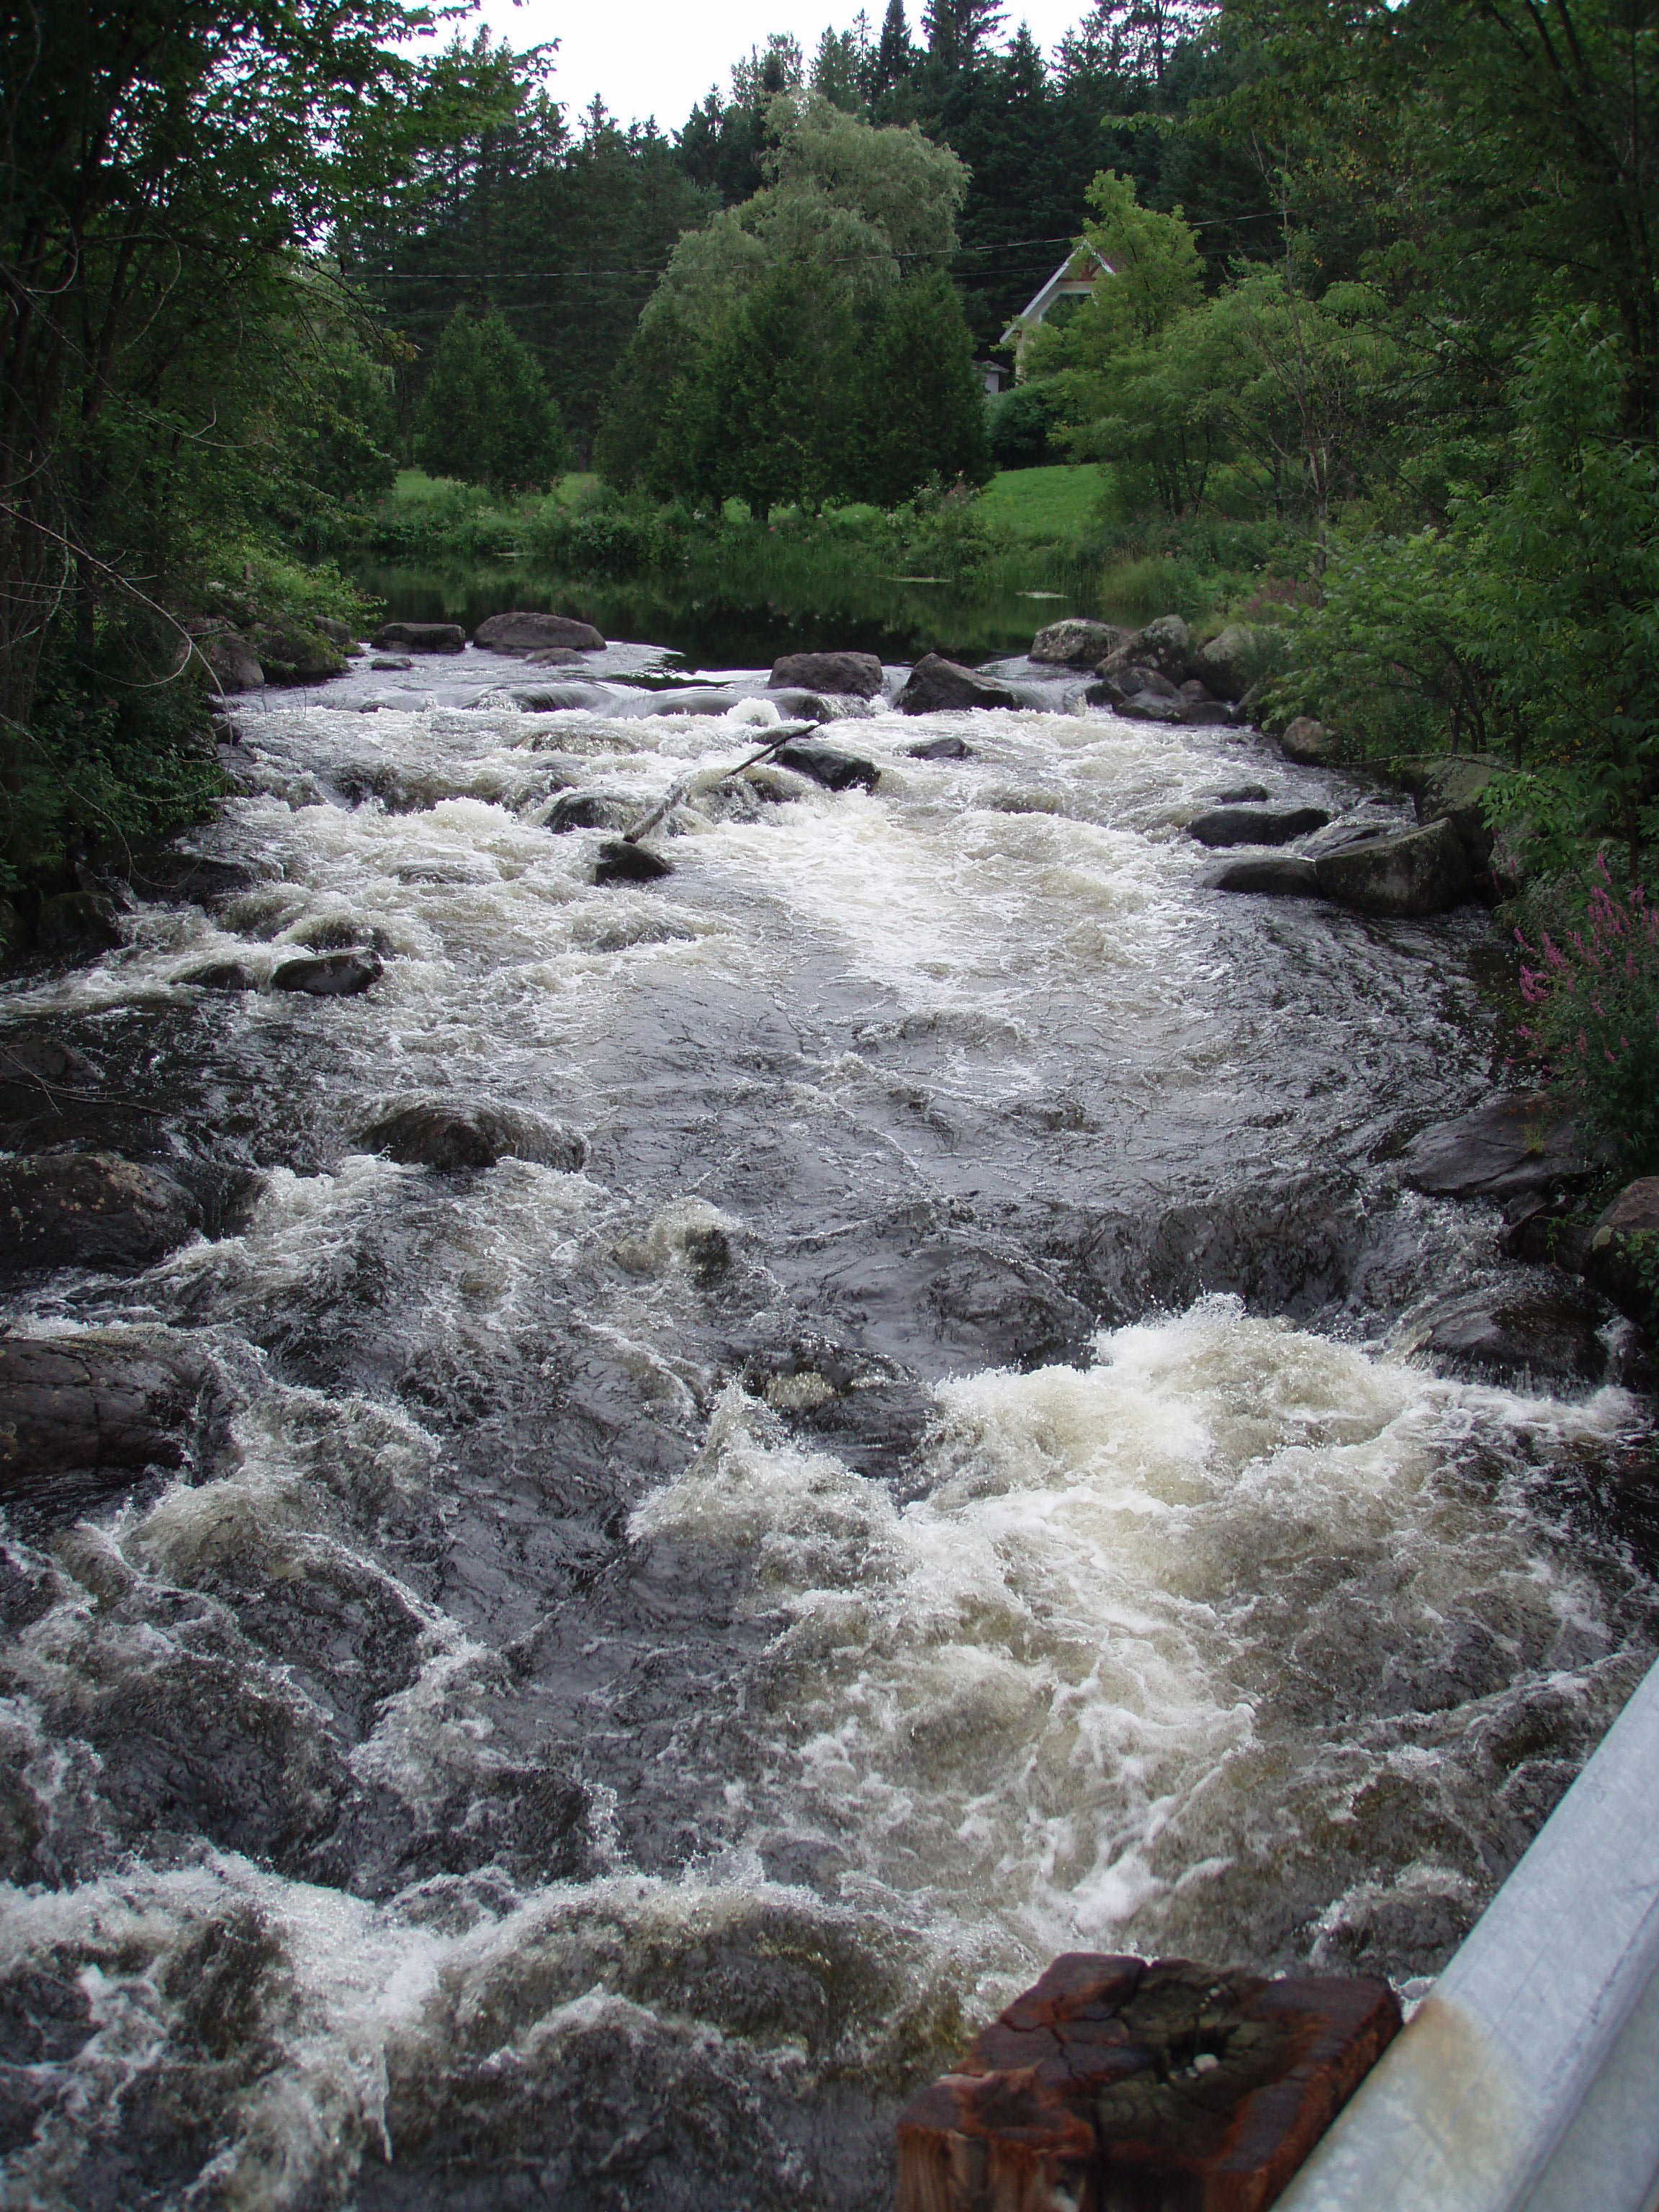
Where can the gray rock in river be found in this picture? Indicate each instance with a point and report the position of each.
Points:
(1078, 643)
(1308, 743)
(522, 632)
(1227, 664)
(1420, 871)
(291, 652)
(391, 662)
(221, 975)
(331, 975)
(1519, 1142)
(1622, 1256)
(1283, 876)
(232, 661)
(103, 1402)
(77, 923)
(619, 862)
(1548, 1331)
(1165, 644)
(593, 810)
(555, 656)
(836, 771)
(941, 749)
(432, 1134)
(196, 877)
(1256, 825)
(89, 1210)
(936, 685)
(857, 673)
(419, 637)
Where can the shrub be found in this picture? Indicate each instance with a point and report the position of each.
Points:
(1593, 1001)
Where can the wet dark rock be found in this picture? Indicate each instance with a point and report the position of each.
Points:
(1542, 1228)
(89, 1210)
(1078, 643)
(592, 810)
(871, 1413)
(1131, 682)
(1517, 1143)
(1547, 1332)
(331, 975)
(524, 632)
(291, 654)
(619, 862)
(438, 1135)
(1308, 743)
(77, 923)
(232, 662)
(101, 1403)
(1283, 876)
(857, 673)
(942, 748)
(1253, 825)
(1622, 1258)
(196, 879)
(836, 771)
(1242, 794)
(402, 637)
(555, 656)
(392, 662)
(221, 976)
(936, 686)
(1150, 707)
(1421, 872)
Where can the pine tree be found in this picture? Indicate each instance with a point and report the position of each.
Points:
(922, 411)
(894, 55)
(958, 29)
(486, 416)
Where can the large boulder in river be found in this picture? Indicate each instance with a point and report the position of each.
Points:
(430, 1133)
(1308, 743)
(291, 652)
(936, 685)
(1452, 789)
(231, 661)
(105, 1403)
(1546, 1332)
(1256, 825)
(523, 632)
(1517, 1143)
(825, 764)
(419, 637)
(855, 674)
(1229, 663)
(1421, 872)
(1279, 875)
(89, 1210)
(1165, 644)
(1079, 642)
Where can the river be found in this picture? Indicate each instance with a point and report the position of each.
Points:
(911, 1467)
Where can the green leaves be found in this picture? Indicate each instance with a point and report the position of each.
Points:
(487, 416)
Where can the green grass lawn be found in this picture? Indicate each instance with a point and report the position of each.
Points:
(1051, 504)
(415, 484)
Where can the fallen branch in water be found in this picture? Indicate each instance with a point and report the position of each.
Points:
(706, 782)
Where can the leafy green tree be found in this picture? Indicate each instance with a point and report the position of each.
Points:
(487, 416)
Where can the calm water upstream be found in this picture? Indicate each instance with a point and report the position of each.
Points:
(658, 1646)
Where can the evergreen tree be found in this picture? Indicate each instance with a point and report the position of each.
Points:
(957, 30)
(894, 55)
(486, 416)
(922, 406)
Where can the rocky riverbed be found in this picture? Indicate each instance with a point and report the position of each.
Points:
(627, 1501)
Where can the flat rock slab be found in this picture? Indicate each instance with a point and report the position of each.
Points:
(330, 975)
(89, 1210)
(105, 1403)
(1256, 825)
(1283, 876)
(524, 632)
(1514, 1144)
(859, 674)
(1167, 2086)
(936, 685)
(836, 771)
(419, 637)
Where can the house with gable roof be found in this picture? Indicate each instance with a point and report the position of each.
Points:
(1074, 279)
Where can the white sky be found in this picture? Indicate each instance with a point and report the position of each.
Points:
(659, 57)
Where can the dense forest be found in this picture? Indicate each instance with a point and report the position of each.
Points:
(1379, 335)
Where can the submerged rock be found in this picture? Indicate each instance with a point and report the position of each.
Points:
(619, 862)
(1420, 871)
(221, 975)
(555, 656)
(331, 975)
(432, 1134)
(522, 632)
(1250, 826)
(836, 771)
(1078, 643)
(102, 1402)
(1511, 1145)
(419, 637)
(390, 663)
(89, 1210)
(859, 674)
(941, 749)
(1283, 876)
(936, 686)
